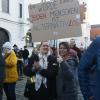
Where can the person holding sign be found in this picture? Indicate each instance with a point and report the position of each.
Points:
(66, 88)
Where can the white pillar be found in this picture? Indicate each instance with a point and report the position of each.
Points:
(0, 5)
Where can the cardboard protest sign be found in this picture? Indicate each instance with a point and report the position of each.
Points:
(54, 20)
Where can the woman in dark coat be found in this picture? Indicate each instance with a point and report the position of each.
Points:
(46, 91)
(66, 88)
(36, 87)
(50, 73)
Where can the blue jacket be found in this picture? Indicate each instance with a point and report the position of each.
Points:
(85, 64)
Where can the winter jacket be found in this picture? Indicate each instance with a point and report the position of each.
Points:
(78, 51)
(11, 74)
(86, 63)
(66, 88)
(25, 54)
(2, 70)
(50, 73)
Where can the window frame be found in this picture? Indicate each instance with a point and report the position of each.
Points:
(20, 10)
(5, 4)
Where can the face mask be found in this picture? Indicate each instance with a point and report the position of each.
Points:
(6, 50)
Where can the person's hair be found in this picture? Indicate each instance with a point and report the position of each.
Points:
(65, 44)
(14, 45)
(25, 47)
(54, 50)
(40, 45)
(72, 39)
(33, 58)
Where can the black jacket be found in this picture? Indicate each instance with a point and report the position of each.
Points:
(25, 54)
(66, 89)
(2, 69)
(50, 73)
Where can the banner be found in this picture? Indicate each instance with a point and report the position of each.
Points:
(54, 20)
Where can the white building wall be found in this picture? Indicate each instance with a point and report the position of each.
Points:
(17, 27)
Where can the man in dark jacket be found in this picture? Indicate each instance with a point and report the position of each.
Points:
(2, 63)
(86, 63)
(25, 55)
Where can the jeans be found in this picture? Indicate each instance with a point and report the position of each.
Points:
(25, 61)
(20, 67)
(9, 89)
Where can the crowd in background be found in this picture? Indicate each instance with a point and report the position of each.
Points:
(52, 73)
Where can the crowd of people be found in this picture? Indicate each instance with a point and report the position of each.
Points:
(52, 73)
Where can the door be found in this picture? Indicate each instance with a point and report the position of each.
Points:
(3, 37)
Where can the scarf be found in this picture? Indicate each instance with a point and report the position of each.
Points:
(38, 78)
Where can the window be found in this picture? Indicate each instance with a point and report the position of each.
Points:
(20, 10)
(5, 6)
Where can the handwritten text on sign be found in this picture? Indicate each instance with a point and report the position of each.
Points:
(60, 16)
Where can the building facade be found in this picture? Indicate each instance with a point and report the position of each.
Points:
(13, 21)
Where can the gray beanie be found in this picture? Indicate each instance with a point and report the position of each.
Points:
(7, 45)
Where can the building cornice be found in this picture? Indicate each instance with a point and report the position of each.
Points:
(14, 22)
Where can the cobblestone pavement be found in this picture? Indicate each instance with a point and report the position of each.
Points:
(20, 90)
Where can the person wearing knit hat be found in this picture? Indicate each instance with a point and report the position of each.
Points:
(6, 47)
(11, 75)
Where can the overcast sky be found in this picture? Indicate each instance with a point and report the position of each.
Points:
(94, 11)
